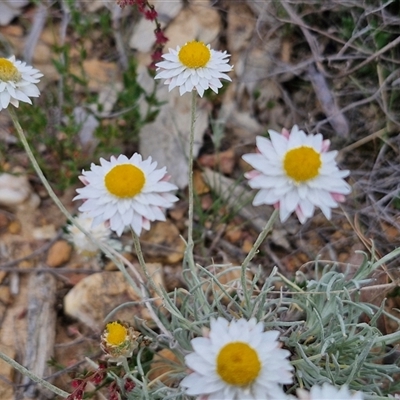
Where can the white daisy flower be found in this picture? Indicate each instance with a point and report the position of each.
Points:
(127, 192)
(328, 392)
(194, 66)
(296, 172)
(17, 82)
(82, 244)
(237, 361)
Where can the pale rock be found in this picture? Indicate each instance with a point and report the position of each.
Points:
(9, 9)
(244, 125)
(46, 232)
(92, 299)
(97, 72)
(166, 139)
(16, 190)
(197, 21)
(240, 26)
(42, 54)
(143, 38)
(167, 10)
(163, 243)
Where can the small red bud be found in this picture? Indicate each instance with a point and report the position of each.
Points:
(151, 14)
(160, 37)
(129, 385)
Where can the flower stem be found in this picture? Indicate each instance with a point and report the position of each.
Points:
(189, 257)
(263, 234)
(142, 263)
(191, 192)
(32, 376)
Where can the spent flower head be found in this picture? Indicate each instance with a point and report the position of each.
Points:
(237, 360)
(328, 392)
(119, 340)
(82, 244)
(194, 66)
(296, 172)
(17, 82)
(127, 192)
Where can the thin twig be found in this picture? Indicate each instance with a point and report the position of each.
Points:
(5, 266)
(33, 377)
(371, 58)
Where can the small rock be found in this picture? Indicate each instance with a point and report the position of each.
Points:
(98, 73)
(171, 123)
(223, 161)
(233, 233)
(42, 53)
(199, 20)
(9, 9)
(179, 211)
(240, 27)
(59, 253)
(95, 296)
(163, 243)
(178, 214)
(45, 232)
(5, 295)
(200, 186)
(14, 189)
(14, 227)
(143, 38)
(247, 245)
(12, 30)
(167, 10)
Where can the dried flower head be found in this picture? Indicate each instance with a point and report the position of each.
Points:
(328, 392)
(82, 244)
(119, 340)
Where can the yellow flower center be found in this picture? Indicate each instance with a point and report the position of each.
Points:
(125, 180)
(116, 333)
(194, 55)
(238, 364)
(302, 163)
(8, 71)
